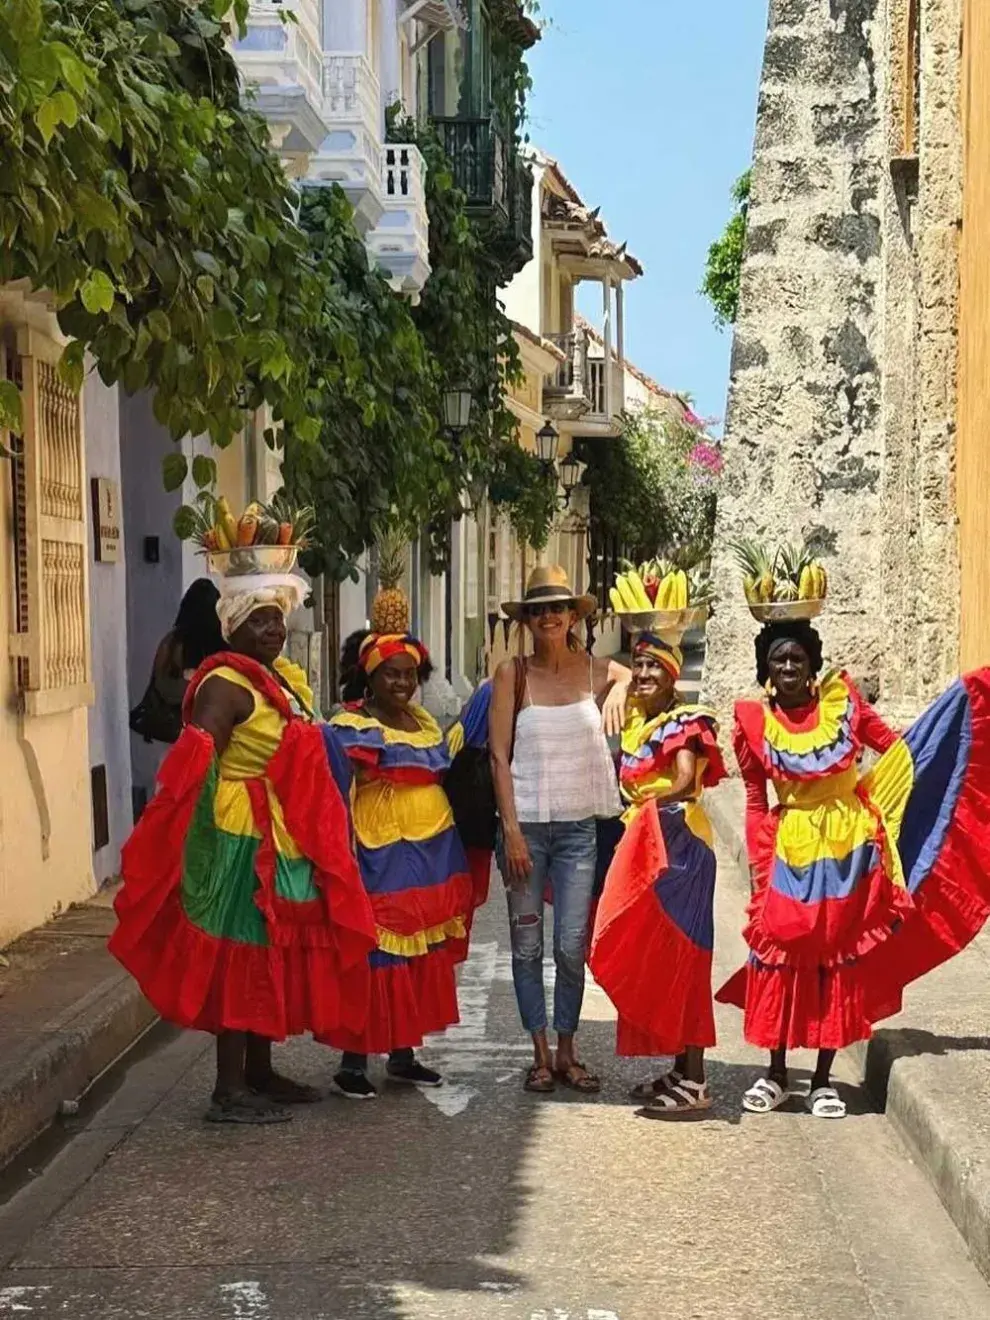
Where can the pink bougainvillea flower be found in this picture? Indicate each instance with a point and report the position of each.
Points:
(707, 456)
(691, 418)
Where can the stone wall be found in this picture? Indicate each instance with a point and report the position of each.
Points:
(840, 417)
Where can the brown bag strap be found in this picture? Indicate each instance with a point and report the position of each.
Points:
(519, 665)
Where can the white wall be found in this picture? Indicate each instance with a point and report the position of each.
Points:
(153, 590)
(109, 736)
(522, 295)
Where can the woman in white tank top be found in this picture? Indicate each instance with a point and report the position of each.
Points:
(554, 778)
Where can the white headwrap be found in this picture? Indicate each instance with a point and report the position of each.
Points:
(241, 596)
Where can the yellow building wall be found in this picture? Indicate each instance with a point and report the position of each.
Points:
(45, 814)
(973, 451)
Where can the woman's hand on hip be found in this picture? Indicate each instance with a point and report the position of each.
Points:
(518, 862)
(614, 709)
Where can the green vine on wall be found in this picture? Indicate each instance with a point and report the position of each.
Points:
(725, 256)
(140, 193)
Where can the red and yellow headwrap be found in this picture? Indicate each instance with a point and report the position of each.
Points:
(670, 656)
(379, 647)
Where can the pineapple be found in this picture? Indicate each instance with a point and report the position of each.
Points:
(792, 560)
(757, 570)
(390, 608)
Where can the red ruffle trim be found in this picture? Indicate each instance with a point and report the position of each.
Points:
(826, 1008)
(659, 981)
(697, 731)
(480, 869)
(409, 911)
(199, 981)
(409, 1001)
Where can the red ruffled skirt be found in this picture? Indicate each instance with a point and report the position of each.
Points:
(652, 947)
(244, 956)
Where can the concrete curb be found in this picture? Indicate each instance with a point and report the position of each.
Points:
(68, 1060)
(926, 1085)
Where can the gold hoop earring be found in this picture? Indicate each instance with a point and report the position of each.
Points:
(769, 689)
(814, 687)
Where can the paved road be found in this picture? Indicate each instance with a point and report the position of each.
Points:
(478, 1202)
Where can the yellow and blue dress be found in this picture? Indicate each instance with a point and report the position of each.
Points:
(654, 929)
(862, 883)
(415, 874)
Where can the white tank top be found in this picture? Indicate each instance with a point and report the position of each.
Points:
(561, 766)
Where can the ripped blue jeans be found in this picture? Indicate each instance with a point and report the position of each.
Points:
(563, 854)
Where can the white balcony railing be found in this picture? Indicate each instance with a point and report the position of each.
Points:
(282, 62)
(351, 153)
(400, 242)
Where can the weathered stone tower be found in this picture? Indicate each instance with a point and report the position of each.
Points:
(840, 419)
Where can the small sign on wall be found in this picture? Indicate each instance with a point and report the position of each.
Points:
(106, 520)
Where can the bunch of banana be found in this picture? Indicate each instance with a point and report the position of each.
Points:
(211, 522)
(661, 587)
(629, 595)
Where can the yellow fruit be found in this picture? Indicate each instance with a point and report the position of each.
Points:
(221, 538)
(626, 593)
(665, 592)
(821, 580)
(680, 590)
(807, 587)
(616, 599)
(749, 590)
(642, 600)
(765, 587)
(226, 520)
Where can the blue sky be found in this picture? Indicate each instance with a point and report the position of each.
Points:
(649, 106)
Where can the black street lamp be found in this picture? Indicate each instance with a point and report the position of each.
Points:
(547, 443)
(571, 471)
(457, 403)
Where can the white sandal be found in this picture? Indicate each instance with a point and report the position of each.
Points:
(683, 1097)
(825, 1102)
(764, 1096)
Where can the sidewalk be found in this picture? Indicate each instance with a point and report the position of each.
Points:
(67, 1010)
(929, 1068)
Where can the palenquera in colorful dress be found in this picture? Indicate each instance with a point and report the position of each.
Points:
(654, 929)
(242, 908)
(413, 867)
(862, 883)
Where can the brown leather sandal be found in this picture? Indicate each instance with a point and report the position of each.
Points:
(539, 1079)
(576, 1077)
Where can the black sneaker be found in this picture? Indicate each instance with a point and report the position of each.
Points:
(353, 1085)
(412, 1074)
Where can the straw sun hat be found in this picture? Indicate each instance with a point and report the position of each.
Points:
(546, 585)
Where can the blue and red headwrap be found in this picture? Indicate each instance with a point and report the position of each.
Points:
(379, 647)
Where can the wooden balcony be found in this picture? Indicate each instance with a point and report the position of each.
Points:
(498, 186)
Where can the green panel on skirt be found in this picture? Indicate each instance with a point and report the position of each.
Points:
(219, 881)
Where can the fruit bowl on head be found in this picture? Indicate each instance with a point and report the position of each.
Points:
(785, 611)
(663, 622)
(252, 560)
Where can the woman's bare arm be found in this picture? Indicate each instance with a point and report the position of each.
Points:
(500, 722)
(614, 679)
(219, 707)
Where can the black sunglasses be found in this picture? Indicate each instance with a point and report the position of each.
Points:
(551, 607)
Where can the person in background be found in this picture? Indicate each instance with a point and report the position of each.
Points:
(242, 911)
(193, 637)
(412, 864)
(554, 777)
(652, 947)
